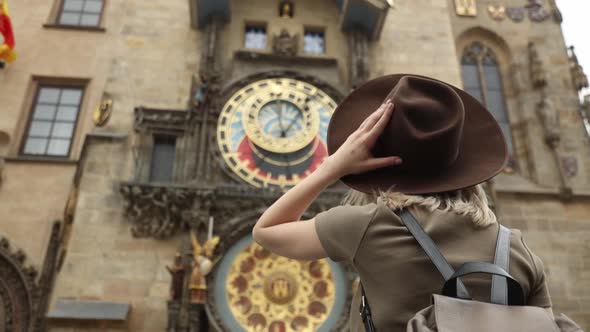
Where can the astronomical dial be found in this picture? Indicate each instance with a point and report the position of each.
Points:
(273, 132)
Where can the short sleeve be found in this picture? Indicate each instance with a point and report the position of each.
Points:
(342, 228)
(539, 296)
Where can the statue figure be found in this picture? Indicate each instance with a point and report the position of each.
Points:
(286, 9)
(550, 120)
(579, 77)
(285, 44)
(202, 265)
(519, 80)
(538, 74)
(177, 273)
(201, 96)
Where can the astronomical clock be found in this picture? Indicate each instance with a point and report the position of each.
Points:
(272, 133)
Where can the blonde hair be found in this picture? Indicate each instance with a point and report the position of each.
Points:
(471, 202)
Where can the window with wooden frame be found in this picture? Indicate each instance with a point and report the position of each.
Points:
(80, 13)
(52, 123)
(482, 79)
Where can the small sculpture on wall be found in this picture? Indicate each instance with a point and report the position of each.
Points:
(466, 7)
(497, 12)
(102, 114)
(537, 13)
(549, 120)
(202, 265)
(516, 14)
(177, 274)
(201, 94)
(285, 44)
(580, 79)
(286, 9)
(569, 164)
(537, 69)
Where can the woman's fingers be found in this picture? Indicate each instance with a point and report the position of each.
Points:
(375, 116)
(380, 124)
(376, 163)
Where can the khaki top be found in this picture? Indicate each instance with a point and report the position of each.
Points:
(399, 278)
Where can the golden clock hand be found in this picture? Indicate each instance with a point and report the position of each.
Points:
(283, 133)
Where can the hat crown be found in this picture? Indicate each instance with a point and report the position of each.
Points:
(426, 127)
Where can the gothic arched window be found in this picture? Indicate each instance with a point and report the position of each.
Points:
(482, 79)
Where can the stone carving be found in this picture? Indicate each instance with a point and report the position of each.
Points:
(156, 119)
(537, 69)
(102, 114)
(202, 265)
(580, 79)
(550, 120)
(466, 7)
(516, 14)
(177, 271)
(155, 211)
(537, 13)
(19, 292)
(285, 44)
(557, 16)
(569, 164)
(286, 9)
(519, 78)
(497, 12)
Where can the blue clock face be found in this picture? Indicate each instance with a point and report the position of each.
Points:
(281, 119)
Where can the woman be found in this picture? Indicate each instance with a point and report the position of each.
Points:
(426, 148)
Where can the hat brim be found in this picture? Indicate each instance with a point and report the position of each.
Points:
(483, 151)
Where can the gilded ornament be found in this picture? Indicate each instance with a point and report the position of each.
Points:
(202, 265)
(266, 291)
(102, 114)
(497, 12)
(466, 7)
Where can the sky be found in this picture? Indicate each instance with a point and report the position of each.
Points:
(576, 25)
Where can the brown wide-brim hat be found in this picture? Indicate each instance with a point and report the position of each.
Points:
(446, 138)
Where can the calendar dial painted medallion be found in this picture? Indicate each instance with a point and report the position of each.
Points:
(272, 133)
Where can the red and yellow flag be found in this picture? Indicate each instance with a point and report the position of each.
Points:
(7, 44)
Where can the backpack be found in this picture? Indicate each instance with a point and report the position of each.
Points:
(454, 310)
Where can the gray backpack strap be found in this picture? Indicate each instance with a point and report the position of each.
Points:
(501, 259)
(432, 251)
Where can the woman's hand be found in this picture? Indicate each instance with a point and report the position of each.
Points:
(354, 156)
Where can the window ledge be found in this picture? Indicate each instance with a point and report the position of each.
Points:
(73, 27)
(40, 159)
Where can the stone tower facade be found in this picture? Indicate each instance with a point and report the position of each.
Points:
(130, 175)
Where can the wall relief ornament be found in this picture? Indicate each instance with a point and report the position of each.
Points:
(497, 12)
(580, 80)
(516, 14)
(203, 262)
(102, 114)
(549, 117)
(466, 8)
(285, 43)
(19, 292)
(537, 12)
(537, 68)
(569, 165)
(155, 211)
